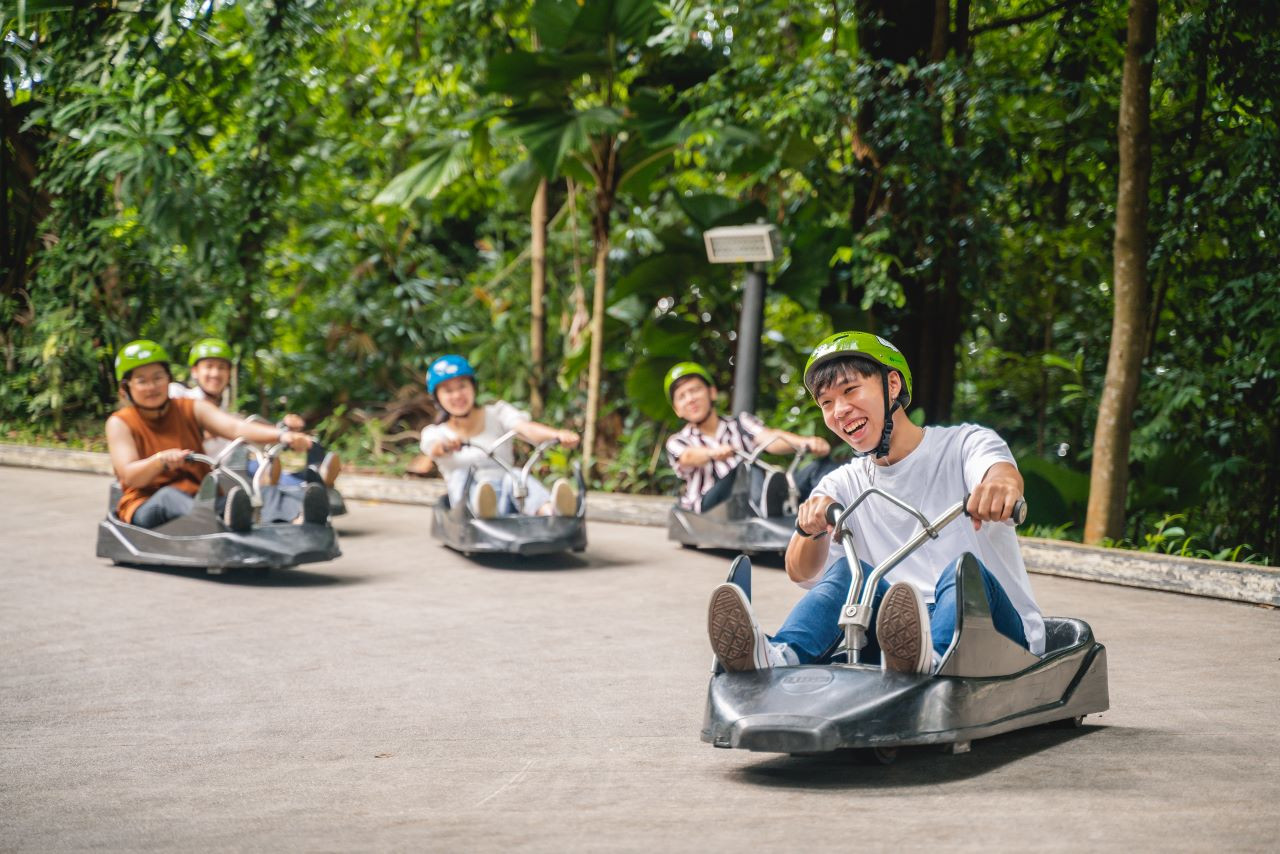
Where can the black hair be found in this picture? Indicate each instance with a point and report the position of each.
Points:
(442, 414)
(832, 372)
(680, 381)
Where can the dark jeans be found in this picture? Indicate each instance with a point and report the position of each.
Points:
(307, 474)
(807, 477)
(169, 502)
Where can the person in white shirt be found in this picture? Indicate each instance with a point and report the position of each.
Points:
(451, 380)
(211, 363)
(863, 385)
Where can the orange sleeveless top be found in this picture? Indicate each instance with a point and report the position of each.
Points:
(177, 428)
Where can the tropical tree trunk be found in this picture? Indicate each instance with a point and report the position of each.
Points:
(537, 298)
(1110, 474)
(904, 32)
(600, 229)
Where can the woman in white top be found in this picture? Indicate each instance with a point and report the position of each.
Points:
(451, 381)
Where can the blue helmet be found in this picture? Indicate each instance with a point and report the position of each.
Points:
(447, 368)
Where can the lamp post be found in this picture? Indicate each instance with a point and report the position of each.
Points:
(754, 245)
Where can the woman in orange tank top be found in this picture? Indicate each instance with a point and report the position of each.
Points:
(150, 439)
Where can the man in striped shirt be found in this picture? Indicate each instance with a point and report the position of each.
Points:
(704, 452)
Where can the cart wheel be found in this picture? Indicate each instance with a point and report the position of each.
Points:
(883, 755)
(579, 549)
(1073, 723)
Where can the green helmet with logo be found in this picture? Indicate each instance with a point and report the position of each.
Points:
(135, 354)
(865, 344)
(685, 369)
(209, 348)
(842, 345)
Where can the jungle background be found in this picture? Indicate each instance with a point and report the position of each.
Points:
(347, 190)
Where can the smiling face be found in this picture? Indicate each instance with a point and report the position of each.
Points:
(853, 408)
(693, 399)
(212, 375)
(457, 396)
(148, 385)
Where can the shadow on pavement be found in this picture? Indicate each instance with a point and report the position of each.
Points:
(915, 766)
(544, 563)
(759, 560)
(252, 577)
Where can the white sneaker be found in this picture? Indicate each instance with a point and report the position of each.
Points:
(485, 504)
(735, 635)
(564, 501)
(902, 628)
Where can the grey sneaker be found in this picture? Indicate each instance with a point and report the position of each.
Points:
(563, 499)
(902, 628)
(735, 635)
(237, 513)
(315, 504)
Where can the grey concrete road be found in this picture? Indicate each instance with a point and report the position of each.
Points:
(403, 697)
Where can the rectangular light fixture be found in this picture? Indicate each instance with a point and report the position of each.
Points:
(743, 244)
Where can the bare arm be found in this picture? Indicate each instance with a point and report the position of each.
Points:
(785, 442)
(213, 420)
(806, 556)
(992, 500)
(697, 456)
(132, 471)
(537, 433)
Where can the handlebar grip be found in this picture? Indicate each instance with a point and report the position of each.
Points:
(1018, 516)
(833, 513)
(1019, 511)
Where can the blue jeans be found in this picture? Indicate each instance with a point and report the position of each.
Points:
(812, 626)
(536, 494)
(306, 474)
(169, 502)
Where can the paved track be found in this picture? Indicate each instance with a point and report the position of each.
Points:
(403, 697)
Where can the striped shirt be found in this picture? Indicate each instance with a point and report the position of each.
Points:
(739, 432)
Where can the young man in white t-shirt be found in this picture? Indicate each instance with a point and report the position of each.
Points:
(863, 385)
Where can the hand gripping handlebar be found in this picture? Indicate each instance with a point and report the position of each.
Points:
(855, 616)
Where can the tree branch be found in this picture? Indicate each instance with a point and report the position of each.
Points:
(1002, 23)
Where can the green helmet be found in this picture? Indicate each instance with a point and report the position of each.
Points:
(135, 354)
(864, 344)
(685, 369)
(209, 348)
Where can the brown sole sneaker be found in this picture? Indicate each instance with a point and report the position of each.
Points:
(329, 469)
(486, 501)
(563, 499)
(902, 628)
(735, 637)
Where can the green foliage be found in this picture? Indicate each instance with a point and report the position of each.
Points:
(343, 190)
